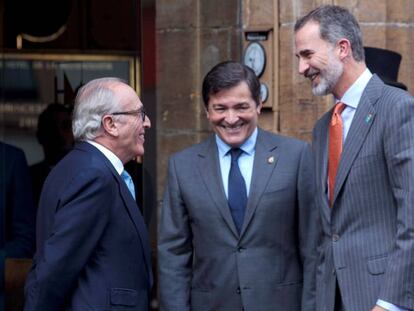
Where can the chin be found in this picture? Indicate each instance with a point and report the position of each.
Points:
(234, 142)
(321, 89)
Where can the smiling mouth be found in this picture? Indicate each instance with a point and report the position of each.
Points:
(313, 77)
(233, 128)
(312, 74)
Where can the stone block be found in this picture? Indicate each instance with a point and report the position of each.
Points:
(288, 66)
(397, 40)
(177, 14)
(219, 13)
(400, 11)
(180, 114)
(286, 14)
(291, 10)
(366, 10)
(268, 120)
(217, 45)
(258, 14)
(374, 35)
(176, 63)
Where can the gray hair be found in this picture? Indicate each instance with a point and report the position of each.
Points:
(335, 23)
(94, 100)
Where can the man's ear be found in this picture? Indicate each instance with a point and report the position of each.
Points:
(344, 48)
(110, 127)
(259, 107)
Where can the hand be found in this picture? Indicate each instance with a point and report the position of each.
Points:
(378, 308)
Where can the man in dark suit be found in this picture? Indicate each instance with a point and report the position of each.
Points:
(17, 211)
(364, 150)
(237, 228)
(92, 244)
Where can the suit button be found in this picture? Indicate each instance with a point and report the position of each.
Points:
(240, 249)
(335, 237)
(238, 290)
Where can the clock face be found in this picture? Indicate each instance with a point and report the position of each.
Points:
(264, 92)
(255, 58)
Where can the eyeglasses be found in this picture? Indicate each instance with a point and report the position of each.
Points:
(140, 111)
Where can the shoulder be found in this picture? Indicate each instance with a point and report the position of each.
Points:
(11, 153)
(82, 168)
(280, 140)
(386, 94)
(201, 148)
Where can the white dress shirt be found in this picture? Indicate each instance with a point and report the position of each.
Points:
(115, 161)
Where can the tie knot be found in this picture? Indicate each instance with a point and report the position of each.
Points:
(235, 153)
(128, 181)
(339, 107)
(336, 116)
(126, 177)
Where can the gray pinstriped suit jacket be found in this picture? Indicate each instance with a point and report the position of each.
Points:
(204, 264)
(368, 234)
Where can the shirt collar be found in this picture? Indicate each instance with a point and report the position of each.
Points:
(116, 162)
(353, 95)
(247, 147)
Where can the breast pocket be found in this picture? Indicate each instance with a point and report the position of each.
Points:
(128, 298)
(377, 266)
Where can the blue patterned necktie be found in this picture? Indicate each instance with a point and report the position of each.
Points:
(237, 194)
(130, 184)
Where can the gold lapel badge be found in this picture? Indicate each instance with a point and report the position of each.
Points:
(271, 159)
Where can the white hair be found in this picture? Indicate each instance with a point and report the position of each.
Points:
(94, 100)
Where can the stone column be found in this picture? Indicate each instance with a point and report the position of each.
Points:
(192, 37)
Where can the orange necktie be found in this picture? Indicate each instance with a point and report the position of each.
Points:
(335, 147)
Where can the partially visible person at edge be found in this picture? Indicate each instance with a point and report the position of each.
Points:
(364, 151)
(93, 250)
(238, 224)
(17, 211)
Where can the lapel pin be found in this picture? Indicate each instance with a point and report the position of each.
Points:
(271, 159)
(368, 118)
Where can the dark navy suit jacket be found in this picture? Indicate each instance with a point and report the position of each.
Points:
(92, 244)
(17, 211)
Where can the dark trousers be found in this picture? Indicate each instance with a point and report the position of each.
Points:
(339, 306)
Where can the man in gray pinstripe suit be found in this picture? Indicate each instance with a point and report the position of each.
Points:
(366, 253)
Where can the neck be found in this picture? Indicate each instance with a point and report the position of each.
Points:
(352, 71)
(107, 143)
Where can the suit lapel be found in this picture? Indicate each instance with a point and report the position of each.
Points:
(361, 124)
(209, 168)
(130, 204)
(136, 217)
(322, 161)
(265, 160)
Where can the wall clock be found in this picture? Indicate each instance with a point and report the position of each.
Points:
(255, 58)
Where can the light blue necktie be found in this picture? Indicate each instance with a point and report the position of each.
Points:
(130, 184)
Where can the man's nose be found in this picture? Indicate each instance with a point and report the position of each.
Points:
(303, 66)
(147, 122)
(231, 116)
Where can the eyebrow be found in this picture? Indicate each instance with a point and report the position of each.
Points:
(305, 52)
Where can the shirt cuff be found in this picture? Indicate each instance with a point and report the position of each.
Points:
(389, 306)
